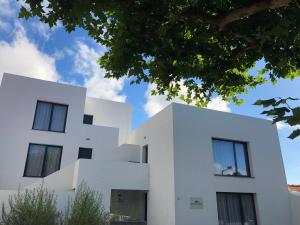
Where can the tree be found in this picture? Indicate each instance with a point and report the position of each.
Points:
(206, 46)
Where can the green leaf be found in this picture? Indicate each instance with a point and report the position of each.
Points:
(295, 134)
(295, 118)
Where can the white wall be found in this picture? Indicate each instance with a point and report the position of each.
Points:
(194, 165)
(18, 98)
(111, 114)
(295, 207)
(157, 132)
(107, 175)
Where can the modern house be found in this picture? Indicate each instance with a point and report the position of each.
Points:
(184, 166)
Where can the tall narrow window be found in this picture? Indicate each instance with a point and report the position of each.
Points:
(50, 117)
(42, 160)
(145, 154)
(236, 209)
(231, 158)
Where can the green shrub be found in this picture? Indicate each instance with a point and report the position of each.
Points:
(31, 207)
(86, 208)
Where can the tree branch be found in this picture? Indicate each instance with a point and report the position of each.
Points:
(224, 19)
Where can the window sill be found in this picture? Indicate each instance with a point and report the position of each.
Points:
(62, 132)
(217, 175)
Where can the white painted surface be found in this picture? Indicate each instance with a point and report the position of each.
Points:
(18, 98)
(106, 175)
(111, 114)
(295, 207)
(194, 165)
(61, 180)
(158, 134)
(180, 154)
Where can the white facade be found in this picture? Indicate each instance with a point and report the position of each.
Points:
(179, 177)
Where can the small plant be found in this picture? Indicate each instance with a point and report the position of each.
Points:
(86, 208)
(31, 207)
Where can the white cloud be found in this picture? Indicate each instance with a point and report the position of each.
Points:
(22, 57)
(281, 125)
(218, 104)
(156, 103)
(6, 8)
(86, 65)
(43, 29)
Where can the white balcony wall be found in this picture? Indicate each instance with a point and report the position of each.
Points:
(107, 175)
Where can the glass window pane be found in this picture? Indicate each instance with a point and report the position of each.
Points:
(240, 152)
(35, 159)
(224, 157)
(248, 209)
(222, 209)
(233, 210)
(58, 118)
(42, 116)
(85, 153)
(88, 119)
(52, 161)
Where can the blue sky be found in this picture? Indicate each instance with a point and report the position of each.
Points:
(32, 49)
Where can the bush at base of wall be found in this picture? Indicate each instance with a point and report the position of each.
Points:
(38, 207)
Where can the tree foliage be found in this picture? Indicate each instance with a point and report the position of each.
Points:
(281, 111)
(31, 207)
(205, 47)
(86, 208)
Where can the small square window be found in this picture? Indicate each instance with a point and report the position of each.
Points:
(85, 153)
(88, 119)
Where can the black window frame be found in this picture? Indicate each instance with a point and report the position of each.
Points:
(51, 115)
(240, 203)
(246, 154)
(88, 116)
(44, 160)
(85, 149)
(145, 150)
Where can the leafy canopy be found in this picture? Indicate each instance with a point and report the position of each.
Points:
(205, 47)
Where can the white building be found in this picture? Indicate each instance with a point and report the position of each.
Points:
(184, 166)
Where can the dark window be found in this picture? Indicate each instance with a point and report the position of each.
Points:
(50, 117)
(237, 209)
(85, 153)
(88, 119)
(42, 160)
(145, 154)
(231, 158)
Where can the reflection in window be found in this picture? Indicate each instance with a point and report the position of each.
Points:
(230, 158)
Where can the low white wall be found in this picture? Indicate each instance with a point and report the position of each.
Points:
(103, 176)
(295, 207)
(62, 180)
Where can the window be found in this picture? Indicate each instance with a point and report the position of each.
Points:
(85, 153)
(88, 119)
(50, 117)
(237, 209)
(42, 160)
(145, 154)
(231, 158)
